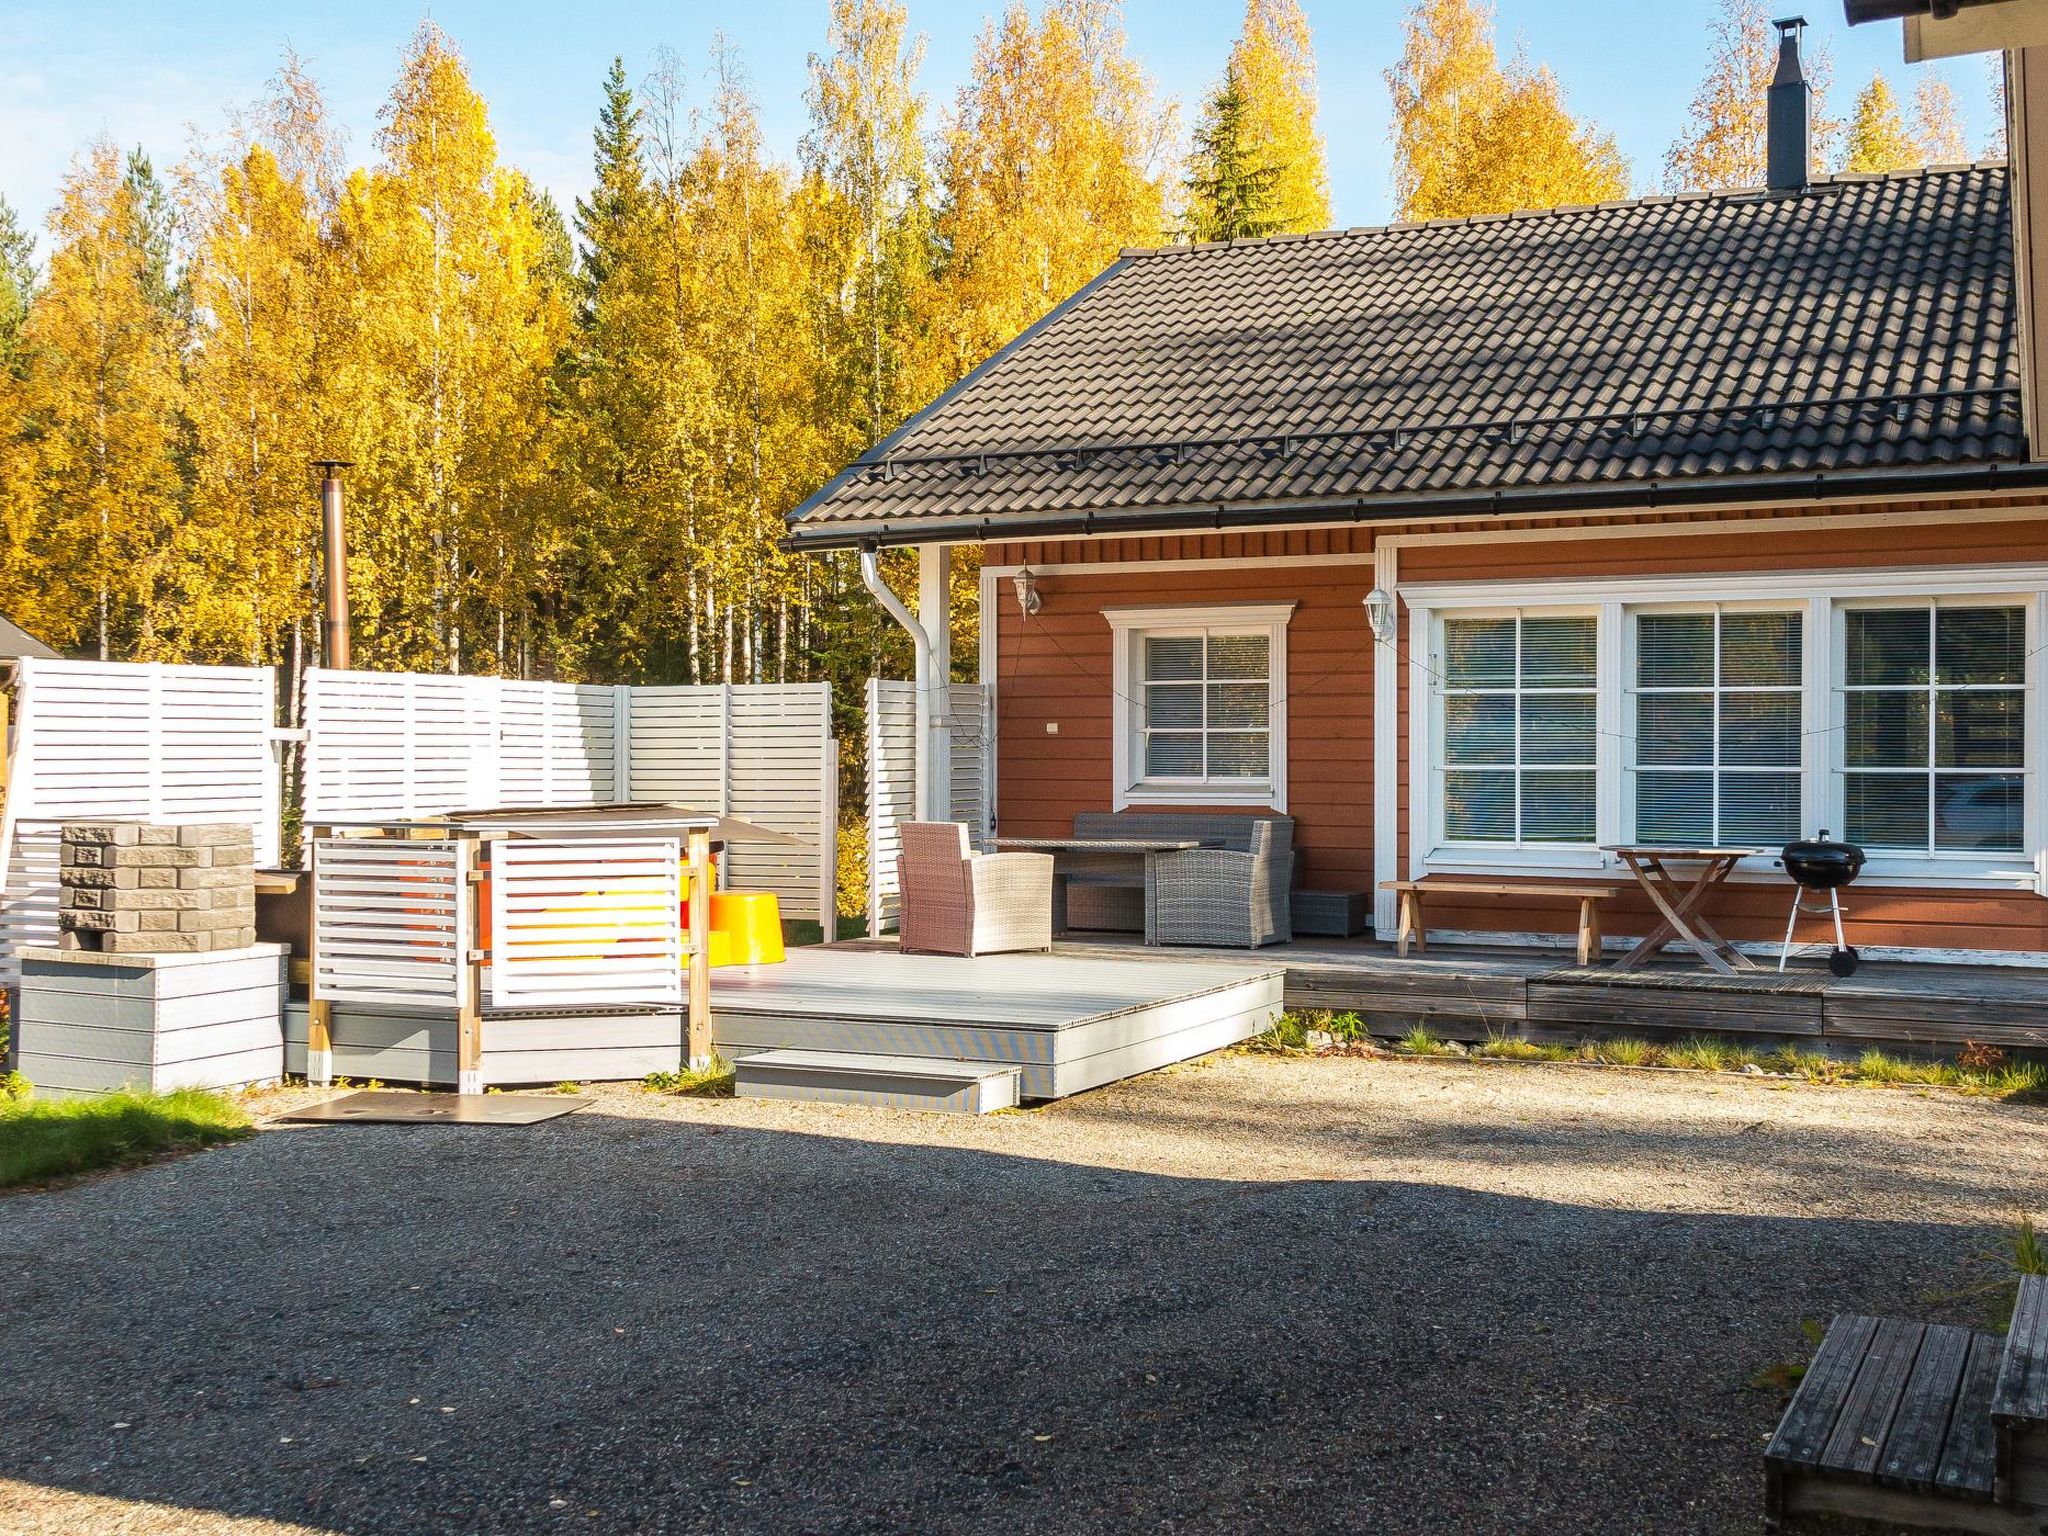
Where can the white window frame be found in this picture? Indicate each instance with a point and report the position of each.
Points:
(1936, 862)
(1520, 852)
(1631, 690)
(1823, 594)
(1129, 628)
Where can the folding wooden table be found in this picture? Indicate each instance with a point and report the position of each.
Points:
(1680, 905)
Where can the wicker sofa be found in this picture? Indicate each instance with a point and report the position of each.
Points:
(1234, 894)
(955, 901)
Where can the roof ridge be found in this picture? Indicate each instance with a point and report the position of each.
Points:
(1647, 200)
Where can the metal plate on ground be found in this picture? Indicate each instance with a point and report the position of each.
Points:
(380, 1107)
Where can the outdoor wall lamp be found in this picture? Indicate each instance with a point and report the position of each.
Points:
(1028, 600)
(1379, 613)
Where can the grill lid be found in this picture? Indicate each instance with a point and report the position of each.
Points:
(1820, 863)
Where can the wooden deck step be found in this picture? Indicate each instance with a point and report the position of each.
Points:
(894, 1082)
(1891, 1422)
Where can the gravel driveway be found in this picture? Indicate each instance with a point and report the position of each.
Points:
(1244, 1295)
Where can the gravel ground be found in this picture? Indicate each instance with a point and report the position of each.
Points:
(1244, 1295)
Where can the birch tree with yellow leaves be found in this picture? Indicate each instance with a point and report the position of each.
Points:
(450, 322)
(1474, 136)
(1054, 158)
(96, 460)
(259, 284)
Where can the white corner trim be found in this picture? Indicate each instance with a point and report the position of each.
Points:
(1386, 749)
(1127, 789)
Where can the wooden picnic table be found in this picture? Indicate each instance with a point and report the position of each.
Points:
(1104, 860)
(1682, 906)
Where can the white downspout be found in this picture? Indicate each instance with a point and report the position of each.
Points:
(921, 646)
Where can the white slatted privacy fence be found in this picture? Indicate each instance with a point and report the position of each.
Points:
(391, 921)
(892, 790)
(424, 744)
(131, 741)
(418, 744)
(760, 751)
(892, 773)
(587, 921)
(557, 743)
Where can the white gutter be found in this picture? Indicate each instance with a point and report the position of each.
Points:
(921, 645)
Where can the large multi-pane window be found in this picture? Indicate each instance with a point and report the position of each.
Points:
(1934, 727)
(1519, 741)
(1206, 706)
(1717, 728)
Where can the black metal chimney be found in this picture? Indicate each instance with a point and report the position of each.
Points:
(1790, 113)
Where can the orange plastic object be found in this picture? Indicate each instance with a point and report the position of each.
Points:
(686, 889)
(746, 928)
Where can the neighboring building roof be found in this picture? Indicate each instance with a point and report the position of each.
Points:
(16, 642)
(1696, 342)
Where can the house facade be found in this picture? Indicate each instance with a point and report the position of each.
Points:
(1485, 546)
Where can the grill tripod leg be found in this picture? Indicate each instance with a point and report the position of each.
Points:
(1791, 922)
(1835, 903)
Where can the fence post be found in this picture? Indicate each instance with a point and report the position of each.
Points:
(828, 837)
(469, 960)
(622, 745)
(698, 1034)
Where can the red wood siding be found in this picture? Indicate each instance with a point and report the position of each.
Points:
(1058, 666)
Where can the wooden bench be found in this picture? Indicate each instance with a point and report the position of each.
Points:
(1919, 1424)
(1414, 926)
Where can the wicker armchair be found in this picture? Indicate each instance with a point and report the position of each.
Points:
(955, 901)
(1224, 896)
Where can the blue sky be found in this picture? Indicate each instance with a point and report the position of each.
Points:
(143, 73)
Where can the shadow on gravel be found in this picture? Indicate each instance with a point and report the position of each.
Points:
(615, 1324)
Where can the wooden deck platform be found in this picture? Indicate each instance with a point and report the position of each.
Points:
(1068, 1022)
(1472, 993)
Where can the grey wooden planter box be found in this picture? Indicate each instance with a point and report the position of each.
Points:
(97, 1023)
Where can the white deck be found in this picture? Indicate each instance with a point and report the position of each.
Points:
(1067, 1023)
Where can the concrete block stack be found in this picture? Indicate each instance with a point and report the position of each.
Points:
(137, 888)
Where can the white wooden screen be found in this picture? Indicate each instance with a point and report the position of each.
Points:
(391, 922)
(127, 740)
(424, 744)
(585, 921)
(892, 772)
(892, 791)
(763, 752)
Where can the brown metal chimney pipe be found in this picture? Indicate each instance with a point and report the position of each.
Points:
(335, 544)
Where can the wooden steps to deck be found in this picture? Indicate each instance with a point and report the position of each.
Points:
(892, 1082)
(1919, 1424)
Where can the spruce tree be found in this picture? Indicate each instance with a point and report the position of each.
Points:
(1230, 192)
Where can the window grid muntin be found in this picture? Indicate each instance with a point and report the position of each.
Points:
(1717, 691)
(2019, 774)
(1141, 643)
(1519, 768)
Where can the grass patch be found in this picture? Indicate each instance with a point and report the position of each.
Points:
(40, 1141)
(1511, 1048)
(713, 1082)
(1626, 1053)
(1419, 1041)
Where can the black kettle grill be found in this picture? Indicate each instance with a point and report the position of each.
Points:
(1818, 864)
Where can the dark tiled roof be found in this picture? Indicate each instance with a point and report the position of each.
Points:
(1666, 339)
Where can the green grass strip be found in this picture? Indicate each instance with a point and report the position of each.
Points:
(53, 1139)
